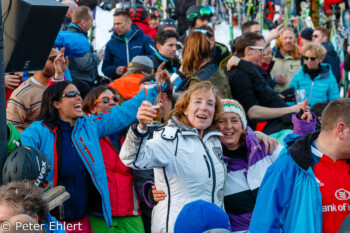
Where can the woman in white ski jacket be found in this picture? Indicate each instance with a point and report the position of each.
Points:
(186, 154)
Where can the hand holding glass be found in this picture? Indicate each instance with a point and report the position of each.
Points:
(149, 85)
(300, 95)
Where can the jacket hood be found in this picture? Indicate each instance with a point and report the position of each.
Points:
(74, 28)
(136, 31)
(206, 71)
(300, 151)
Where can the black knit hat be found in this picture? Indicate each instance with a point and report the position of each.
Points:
(306, 33)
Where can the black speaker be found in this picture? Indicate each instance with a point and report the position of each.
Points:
(30, 30)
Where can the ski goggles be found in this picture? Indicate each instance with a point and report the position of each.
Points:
(107, 99)
(203, 12)
(154, 14)
(262, 49)
(70, 94)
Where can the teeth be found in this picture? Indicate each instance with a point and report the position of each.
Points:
(228, 134)
(202, 117)
(77, 105)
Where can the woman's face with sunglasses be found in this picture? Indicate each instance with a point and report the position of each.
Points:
(69, 105)
(311, 60)
(105, 102)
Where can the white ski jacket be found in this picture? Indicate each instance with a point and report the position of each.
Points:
(186, 167)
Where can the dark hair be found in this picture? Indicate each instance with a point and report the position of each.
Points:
(162, 36)
(93, 95)
(318, 108)
(48, 112)
(123, 13)
(247, 39)
(246, 26)
(26, 198)
(210, 31)
(169, 88)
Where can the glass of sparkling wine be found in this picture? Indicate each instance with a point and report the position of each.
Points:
(300, 95)
(149, 85)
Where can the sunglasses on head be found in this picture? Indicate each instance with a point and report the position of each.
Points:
(203, 31)
(70, 94)
(203, 12)
(262, 49)
(106, 99)
(311, 58)
(52, 58)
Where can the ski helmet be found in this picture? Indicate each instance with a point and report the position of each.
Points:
(154, 12)
(167, 23)
(26, 163)
(13, 137)
(140, 15)
(197, 11)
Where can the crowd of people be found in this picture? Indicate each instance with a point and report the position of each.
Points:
(209, 164)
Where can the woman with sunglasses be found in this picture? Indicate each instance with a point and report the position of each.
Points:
(70, 140)
(123, 198)
(315, 77)
(197, 65)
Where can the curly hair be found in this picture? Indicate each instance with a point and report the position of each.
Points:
(184, 100)
(26, 198)
(316, 48)
(295, 53)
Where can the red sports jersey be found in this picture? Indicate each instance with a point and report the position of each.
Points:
(333, 180)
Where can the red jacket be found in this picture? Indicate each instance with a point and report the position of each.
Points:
(148, 30)
(122, 195)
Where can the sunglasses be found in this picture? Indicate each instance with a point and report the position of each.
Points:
(106, 99)
(309, 58)
(314, 36)
(52, 58)
(70, 94)
(262, 49)
(203, 12)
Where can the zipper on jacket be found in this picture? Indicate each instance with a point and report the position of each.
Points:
(213, 171)
(312, 85)
(206, 161)
(87, 150)
(127, 50)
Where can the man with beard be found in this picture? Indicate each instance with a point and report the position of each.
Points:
(24, 105)
(248, 87)
(287, 59)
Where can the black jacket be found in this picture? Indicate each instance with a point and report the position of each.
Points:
(170, 65)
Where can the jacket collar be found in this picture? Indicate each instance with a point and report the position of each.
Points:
(300, 151)
(75, 28)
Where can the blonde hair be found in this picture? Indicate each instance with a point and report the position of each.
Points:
(184, 100)
(316, 48)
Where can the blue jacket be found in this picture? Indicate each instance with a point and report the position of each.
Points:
(85, 137)
(323, 88)
(289, 198)
(120, 50)
(332, 59)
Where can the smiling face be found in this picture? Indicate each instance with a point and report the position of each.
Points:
(103, 107)
(231, 127)
(69, 109)
(200, 111)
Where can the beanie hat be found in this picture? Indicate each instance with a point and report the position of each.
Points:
(230, 105)
(306, 33)
(142, 63)
(201, 216)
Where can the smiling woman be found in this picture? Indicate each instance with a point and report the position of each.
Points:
(186, 154)
(70, 140)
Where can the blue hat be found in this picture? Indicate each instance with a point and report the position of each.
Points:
(200, 216)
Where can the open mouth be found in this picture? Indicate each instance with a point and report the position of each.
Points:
(202, 117)
(228, 134)
(77, 107)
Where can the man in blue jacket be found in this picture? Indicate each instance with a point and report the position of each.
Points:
(307, 189)
(322, 35)
(126, 42)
